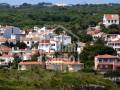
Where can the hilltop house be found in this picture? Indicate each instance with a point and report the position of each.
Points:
(110, 19)
(106, 62)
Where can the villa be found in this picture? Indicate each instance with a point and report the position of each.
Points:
(110, 19)
(106, 62)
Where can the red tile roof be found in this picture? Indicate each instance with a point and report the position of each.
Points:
(30, 63)
(112, 16)
(69, 62)
(116, 41)
(7, 56)
(94, 32)
(106, 56)
(62, 61)
(108, 16)
(45, 41)
(58, 59)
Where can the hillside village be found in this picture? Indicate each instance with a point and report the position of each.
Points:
(43, 46)
(49, 46)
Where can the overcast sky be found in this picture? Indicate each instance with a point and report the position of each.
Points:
(17, 2)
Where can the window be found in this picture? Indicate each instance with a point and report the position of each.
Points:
(118, 60)
(100, 60)
(111, 60)
(52, 44)
(32, 42)
(111, 44)
(2, 60)
(52, 49)
(112, 21)
(108, 21)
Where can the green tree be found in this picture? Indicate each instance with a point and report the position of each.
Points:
(21, 45)
(112, 74)
(85, 37)
(112, 29)
(99, 41)
(6, 44)
(89, 52)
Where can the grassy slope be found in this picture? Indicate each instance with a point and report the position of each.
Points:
(47, 80)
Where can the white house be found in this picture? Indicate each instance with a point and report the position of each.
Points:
(97, 35)
(39, 30)
(43, 30)
(26, 56)
(111, 37)
(110, 19)
(64, 39)
(49, 45)
(6, 59)
(115, 45)
(29, 41)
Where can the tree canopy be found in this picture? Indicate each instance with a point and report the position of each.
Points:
(112, 29)
(90, 51)
(76, 17)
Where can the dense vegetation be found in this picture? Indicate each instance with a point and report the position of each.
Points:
(39, 79)
(112, 29)
(89, 52)
(74, 17)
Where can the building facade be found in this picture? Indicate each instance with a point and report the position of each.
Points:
(110, 19)
(106, 62)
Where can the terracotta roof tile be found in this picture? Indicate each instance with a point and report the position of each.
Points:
(7, 56)
(106, 56)
(45, 41)
(30, 63)
(112, 16)
(116, 41)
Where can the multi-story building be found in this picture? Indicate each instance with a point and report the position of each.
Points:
(64, 39)
(49, 45)
(5, 60)
(115, 45)
(106, 62)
